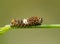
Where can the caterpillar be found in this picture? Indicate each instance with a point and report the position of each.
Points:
(26, 22)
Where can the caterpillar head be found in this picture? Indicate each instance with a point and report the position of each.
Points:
(16, 22)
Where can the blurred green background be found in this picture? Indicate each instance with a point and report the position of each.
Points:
(49, 10)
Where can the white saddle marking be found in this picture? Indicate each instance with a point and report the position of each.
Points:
(25, 21)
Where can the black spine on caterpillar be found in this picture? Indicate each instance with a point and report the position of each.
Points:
(26, 22)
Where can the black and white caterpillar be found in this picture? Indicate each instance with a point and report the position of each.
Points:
(26, 22)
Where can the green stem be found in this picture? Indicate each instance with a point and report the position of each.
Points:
(8, 27)
(4, 29)
(49, 26)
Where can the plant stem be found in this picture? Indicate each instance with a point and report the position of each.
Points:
(4, 29)
(49, 26)
(8, 27)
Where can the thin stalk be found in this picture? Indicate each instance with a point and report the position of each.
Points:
(8, 27)
(4, 29)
